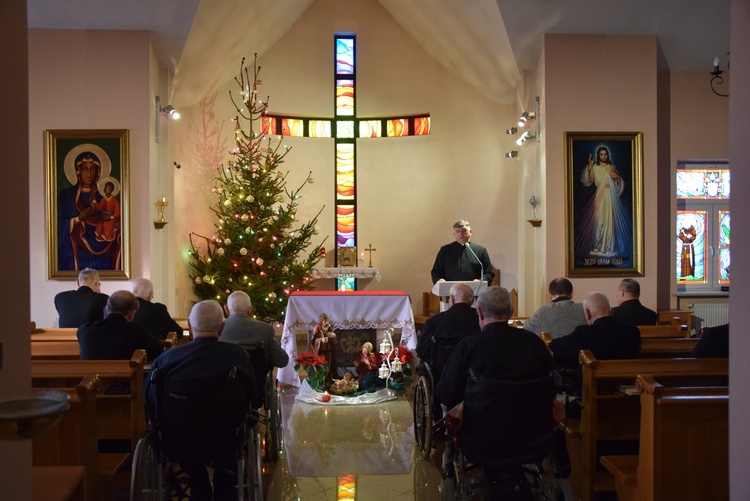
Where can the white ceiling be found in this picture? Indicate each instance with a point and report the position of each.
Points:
(485, 42)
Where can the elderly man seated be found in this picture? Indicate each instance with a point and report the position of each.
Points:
(206, 437)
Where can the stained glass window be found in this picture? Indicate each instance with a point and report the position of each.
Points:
(702, 244)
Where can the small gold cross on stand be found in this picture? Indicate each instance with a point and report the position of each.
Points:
(370, 250)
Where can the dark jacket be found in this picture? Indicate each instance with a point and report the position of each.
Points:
(634, 313)
(155, 318)
(80, 306)
(499, 351)
(114, 338)
(607, 340)
(452, 325)
(714, 343)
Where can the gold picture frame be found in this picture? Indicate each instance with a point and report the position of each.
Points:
(85, 231)
(604, 210)
(347, 256)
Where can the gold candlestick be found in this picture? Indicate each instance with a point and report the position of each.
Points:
(161, 204)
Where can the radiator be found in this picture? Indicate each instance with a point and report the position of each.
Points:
(711, 314)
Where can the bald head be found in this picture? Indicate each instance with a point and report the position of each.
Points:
(123, 303)
(461, 293)
(142, 288)
(206, 319)
(239, 302)
(595, 306)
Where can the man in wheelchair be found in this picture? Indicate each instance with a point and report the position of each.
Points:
(207, 389)
(502, 379)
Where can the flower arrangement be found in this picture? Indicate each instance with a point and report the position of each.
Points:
(316, 367)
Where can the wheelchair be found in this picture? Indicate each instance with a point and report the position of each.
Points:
(189, 408)
(428, 415)
(270, 416)
(497, 449)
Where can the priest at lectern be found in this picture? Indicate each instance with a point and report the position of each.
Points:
(462, 260)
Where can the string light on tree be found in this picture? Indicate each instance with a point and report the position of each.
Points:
(252, 197)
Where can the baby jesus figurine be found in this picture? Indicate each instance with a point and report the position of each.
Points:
(346, 384)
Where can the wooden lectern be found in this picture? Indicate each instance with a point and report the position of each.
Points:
(443, 290)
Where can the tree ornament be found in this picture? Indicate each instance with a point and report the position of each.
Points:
(244, 218)
(249, 199)
(198, 280)
(285, 269)
(220, 251)
(272, 295)
(227, 202)
(207, 279)
(243, 251)
(259, 261)
(227, 241)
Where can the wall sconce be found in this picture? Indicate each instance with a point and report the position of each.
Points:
(171, 112)
(161, 204)
(534, 202)
(716, 77)
(512, 130)
(511, 154)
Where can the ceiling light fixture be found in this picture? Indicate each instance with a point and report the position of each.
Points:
(512, 130)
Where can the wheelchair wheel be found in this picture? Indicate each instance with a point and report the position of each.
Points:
(273, 420)
(448, 488)
(250, 486)
(423, 416)
(147, 477)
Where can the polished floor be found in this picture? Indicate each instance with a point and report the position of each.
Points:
(363, 452)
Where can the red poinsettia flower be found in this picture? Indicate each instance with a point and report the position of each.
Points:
(309, 359)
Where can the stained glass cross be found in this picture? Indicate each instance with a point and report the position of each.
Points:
(345, 128)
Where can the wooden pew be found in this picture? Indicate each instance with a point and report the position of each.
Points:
(120, 402)
(673, 330)
(667, 347)
(683, 448)
(430, 307)
(63, 336)
(55, 350)
(58, 483)
(74, 441)
(610, 415)
(684, 317)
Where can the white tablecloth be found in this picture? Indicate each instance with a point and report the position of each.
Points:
(347, 310)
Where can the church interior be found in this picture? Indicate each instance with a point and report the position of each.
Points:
(587, 68)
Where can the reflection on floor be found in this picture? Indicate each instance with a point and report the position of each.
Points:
(368, 450)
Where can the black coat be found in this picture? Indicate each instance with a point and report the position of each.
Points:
(605, 338)
(452, 325)
(156, 319)
(80, 306)
(114, 338)
(634, 313)
(454, 262)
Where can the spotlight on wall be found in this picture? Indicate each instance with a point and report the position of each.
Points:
(526, 136)
(526, 117)
(717, 78)
(511, 154)
(512, 130)
(169, 111)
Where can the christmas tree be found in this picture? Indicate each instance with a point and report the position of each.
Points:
(258, 246)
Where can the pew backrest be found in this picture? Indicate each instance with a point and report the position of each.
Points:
(684, 442)
(612, 413)
(120, 401)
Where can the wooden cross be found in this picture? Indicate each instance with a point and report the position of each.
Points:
(370, 250)
(345, 128)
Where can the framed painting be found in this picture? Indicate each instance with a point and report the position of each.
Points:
(604, 194)
(87, 203)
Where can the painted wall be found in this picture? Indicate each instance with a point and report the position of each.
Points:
(15, 366)
(90, 80)
(739, 343)
(410, 190)
(599, 83)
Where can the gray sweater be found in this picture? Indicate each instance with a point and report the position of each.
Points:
(559, 318)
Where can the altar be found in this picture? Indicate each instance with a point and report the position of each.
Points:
(347, 310)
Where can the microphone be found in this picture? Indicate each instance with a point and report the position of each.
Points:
(481, 266)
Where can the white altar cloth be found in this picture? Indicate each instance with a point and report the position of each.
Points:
(347, 310)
